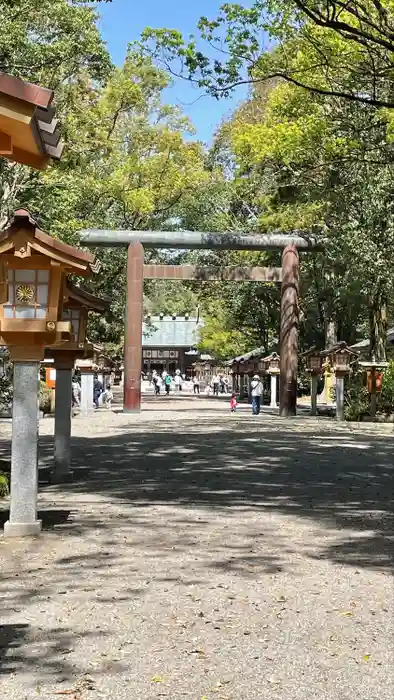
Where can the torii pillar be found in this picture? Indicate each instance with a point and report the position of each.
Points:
(133, 328)
(289, 322)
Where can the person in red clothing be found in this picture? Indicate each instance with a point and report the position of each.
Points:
(233, 403)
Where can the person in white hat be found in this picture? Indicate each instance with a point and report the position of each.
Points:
(256, 386)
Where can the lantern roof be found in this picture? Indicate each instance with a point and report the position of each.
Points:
(255, 354)
(74, 293)
(28, 128)
(25, 239)
(270, 358)
(340, 348)
(311, 351)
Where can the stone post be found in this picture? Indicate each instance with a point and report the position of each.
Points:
(24, 456)
(61, 472)
(340, 391)
(314, 383)
(289, 332)
(241, 386)
(87, 377)
(133, 329)
(373, 392)
(274, 381)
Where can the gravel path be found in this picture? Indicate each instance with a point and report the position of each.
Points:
(205, 556)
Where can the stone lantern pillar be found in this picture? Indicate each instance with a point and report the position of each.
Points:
(340, 357)
(34, 267)
(314, 363)
(271, 366)
(77, 303)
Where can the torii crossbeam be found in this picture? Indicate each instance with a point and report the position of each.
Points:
(288, 275)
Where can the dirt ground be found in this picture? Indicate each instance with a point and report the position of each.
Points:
(207, 556)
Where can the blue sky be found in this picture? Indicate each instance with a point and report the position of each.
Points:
(122, 21)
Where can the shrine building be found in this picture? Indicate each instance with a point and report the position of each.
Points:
(169, 343)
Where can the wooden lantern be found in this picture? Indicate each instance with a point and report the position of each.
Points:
(28, 132)
(313, 360)
(35, 267)
(341, 357)
(77, 303)
(271, 363)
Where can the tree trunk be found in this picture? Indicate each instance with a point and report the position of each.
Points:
(378, 329)
(331, 334)
(378, 339)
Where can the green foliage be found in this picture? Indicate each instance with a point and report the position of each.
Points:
(6, 390)
(387, 395)
(315, 159)
(326, 46)
(128, 161)
(219, 341)
(357, 402)
(45, 395)
(4, 488)
(51, 41)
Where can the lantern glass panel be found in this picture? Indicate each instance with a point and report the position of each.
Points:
(25, 275)
(314, 362)
(27, 294)
(42, 294)
(24, 312)
(342, 360)
(73, 315)
(43, 275)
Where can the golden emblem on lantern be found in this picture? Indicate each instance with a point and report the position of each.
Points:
(25, 294)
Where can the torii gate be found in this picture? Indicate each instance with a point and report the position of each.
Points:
(288, 275)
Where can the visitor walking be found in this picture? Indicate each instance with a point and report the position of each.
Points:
(215, 385)
(155, 378)
(257, 390)
(76, 393)
(97, 391)
(196, 385)
(167, 383)
(158, 383)
(233, 403)
(178, 381)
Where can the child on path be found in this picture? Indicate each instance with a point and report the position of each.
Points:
(108, 397)
(233, 403)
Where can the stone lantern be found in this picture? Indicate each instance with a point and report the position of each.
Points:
(33, 270)
(77, 303)
(314, 366)
(340, 357)
(271, 364)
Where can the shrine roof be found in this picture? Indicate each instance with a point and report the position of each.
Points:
(171, 332)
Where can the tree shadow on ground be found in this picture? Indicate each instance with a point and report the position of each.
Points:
(340, 480)
(24, 647)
